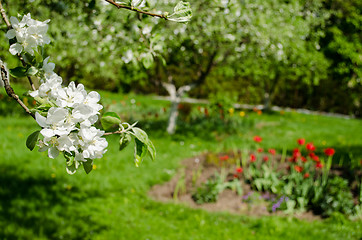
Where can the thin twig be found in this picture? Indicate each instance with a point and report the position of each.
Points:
(136, 10)
(10, 91)
(124, 130)
(3, 14)
(8, 24)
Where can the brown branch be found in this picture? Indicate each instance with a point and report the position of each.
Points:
(136, 10)
(111, 133)
(10, 91)
(3, 14)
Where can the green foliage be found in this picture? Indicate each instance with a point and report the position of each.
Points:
(110, 120)
(32, 140)
(336, 197)
(209, 191)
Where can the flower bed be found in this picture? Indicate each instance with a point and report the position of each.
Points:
(264, 182)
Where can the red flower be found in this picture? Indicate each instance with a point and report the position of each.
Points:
(314, 157)
(257, 139)
(301, 141)
(329, 151)
(236, 176)
(260, 150)
(310, 147)
(272, 151)
(239, 170)
(252, 158)
(296, 153)
(319, 165)
(224, 158)
(265, 158)
(306, 175)
(303, 159)
(298, 168)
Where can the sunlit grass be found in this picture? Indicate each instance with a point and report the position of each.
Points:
(39, 200)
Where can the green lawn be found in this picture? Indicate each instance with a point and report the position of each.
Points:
(39, 200)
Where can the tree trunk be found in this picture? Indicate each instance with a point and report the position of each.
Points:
(171, 126)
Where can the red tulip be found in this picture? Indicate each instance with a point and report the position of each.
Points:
(265, 158)
(252, 158)
(239, 170)
(257, 139)
(260, 150)
(303, 159)
(329, 151)
(224, 158)
(298, 168)
(306, 175)
(310, 147)
(315, 158)
(272, 151)
(319, 165)
(301, 141)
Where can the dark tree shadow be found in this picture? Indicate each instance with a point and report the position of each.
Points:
(35, 205)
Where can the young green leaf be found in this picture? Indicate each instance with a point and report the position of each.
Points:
(31, 71)
(181, 13)
(140, 135)
(140, 152)
(110, 120)
(151, 150)
(32, 139)
(124, 141)
(18, 72)
(147, 60)
(88, 166)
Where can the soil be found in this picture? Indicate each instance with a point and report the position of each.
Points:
(228, 200)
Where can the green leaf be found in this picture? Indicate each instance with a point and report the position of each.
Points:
(29, 59)
(124, 141)
(32, 71)
(136, 3)
(32, 139)
(71, 169)
(140, 135)
(147, 60)
(18, 72)
(110, 120)
(88, 166)
(181, 13)
(140, 152)
(151, 150)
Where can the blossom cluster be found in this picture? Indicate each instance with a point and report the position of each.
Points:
(29, 34)
(67, 114)
(68, 124)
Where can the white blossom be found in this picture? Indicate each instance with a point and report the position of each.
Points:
(29, 34)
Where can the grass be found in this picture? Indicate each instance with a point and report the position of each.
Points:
(39, 200)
